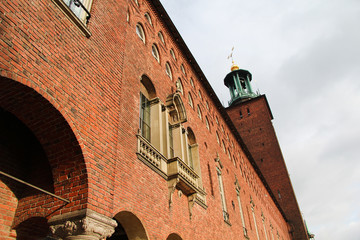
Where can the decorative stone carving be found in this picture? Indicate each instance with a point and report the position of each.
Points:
(191, 200)
(172, 186)
(82, 224)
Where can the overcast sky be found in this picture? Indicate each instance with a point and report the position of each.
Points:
(305, 56)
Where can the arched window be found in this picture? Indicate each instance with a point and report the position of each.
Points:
(172, 53)
(192, 82)
(127, 16)
(168, 70)
(207, 123)
(183, 69)
(155, 53)
(190, 100)
(147, 92)
(136, 2)
(161, 36)
(223, 145)
(199, 112)
(217, 137)
(200, 96)
(179, 86)
(140, 32)
(148, 18)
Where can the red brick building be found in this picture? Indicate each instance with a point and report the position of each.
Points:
(106, 112)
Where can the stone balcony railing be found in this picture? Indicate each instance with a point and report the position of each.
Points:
(174, 170)
(188, 179)
(151, 156)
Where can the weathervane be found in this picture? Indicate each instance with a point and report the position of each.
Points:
(231, 55)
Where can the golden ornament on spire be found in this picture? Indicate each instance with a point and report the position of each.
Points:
(234, 66)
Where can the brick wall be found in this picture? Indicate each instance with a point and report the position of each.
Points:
(259, 135)
(80, 98)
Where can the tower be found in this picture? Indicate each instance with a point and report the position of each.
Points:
(251, 114)
(238, 82)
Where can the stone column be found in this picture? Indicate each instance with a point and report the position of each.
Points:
(83, 224)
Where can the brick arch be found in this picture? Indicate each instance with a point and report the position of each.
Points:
(174, 236)
(61, 148)
(129, 227)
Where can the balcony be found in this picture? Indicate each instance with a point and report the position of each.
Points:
(151, 156)
(188, 179)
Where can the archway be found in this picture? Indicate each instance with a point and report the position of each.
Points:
(129, 227)
(173, 236)
(37, 146)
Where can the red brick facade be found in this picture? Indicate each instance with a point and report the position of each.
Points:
(69, 107)
(252, 118)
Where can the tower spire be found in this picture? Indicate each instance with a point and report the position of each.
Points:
(238, 82)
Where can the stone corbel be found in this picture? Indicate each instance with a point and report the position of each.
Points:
(191, 199)
(217, 159)
(172, 186)
(82, 224)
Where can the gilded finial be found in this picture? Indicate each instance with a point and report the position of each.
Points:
(233, 66)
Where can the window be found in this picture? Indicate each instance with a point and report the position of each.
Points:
(172, 54)
(207, 123)
(217, 137)
(192, 82)
(179, 86)
(171, 142)
(140, 32)
(199, 112)
(222, 196)
(136, 2)
(190, 101)
(223, 145)
(241, 212)
(217, 120)
(168, 70)
(160, 35)
(148, 18)
(81, 8)
(147, 93)
(183, 69)
(192, 151)
(155, 53)
(207, 105)
(200, 96)
(128, 16)
(144, 117)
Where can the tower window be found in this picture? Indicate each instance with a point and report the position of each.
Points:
(248, 111)
(241, 115)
